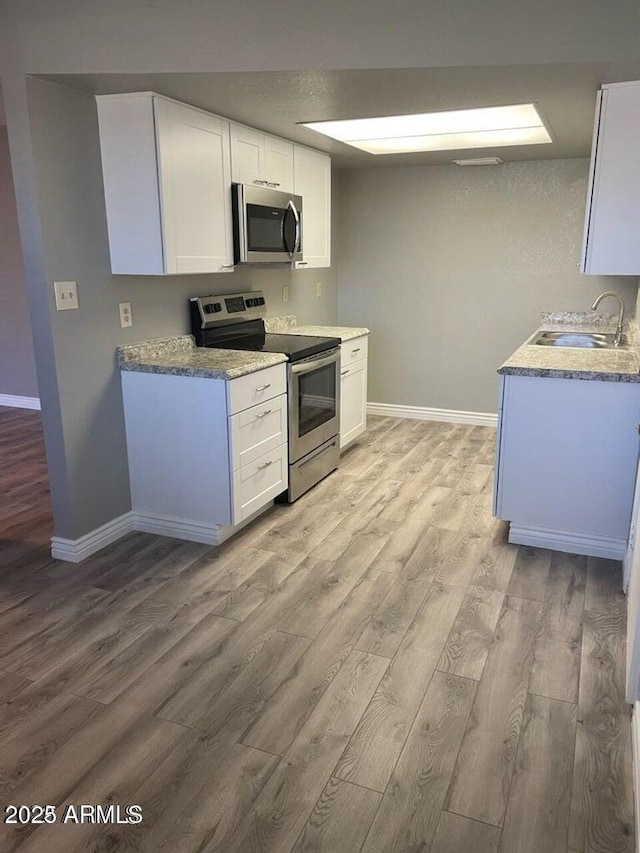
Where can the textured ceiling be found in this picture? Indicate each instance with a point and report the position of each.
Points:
(277, 101)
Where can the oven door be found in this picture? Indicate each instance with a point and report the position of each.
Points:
(314, 402)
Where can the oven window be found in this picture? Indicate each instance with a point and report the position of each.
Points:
(316, 398)
(264, 228)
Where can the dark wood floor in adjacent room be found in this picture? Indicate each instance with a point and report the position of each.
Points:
(373, 669)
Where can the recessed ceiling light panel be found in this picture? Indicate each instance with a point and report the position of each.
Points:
(484, 127)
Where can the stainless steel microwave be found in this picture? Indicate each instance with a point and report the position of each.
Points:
(267, 225)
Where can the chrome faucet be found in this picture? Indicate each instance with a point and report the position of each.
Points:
(618, 338)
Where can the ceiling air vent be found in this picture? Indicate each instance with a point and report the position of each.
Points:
(479, 161)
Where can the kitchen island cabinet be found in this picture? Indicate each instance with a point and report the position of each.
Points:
(567, 448)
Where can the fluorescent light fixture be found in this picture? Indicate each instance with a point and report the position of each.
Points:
(484, 127)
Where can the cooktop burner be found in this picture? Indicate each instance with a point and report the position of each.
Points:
(236, 322)
(295, 347)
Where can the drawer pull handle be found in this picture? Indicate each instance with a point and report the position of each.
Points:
(263, 387)
(357, 349)
(258, 181)
(344, 372)
(263, 414)
(264, 465)
(272, 183)
(302, 263)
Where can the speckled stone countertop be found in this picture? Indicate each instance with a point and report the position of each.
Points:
(288, 325)
(179, 356)
(605, 365)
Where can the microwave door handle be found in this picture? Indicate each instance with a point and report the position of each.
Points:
(296, 245)
(283, 232)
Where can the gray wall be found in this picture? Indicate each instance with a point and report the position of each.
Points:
(450, 268)
(17, 364)
(66, 154)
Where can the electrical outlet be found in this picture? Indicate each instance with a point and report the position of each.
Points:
(126, 317)
(285, 292)
(66, 295)
(318, 289)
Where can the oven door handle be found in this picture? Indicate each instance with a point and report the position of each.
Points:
(314, 363)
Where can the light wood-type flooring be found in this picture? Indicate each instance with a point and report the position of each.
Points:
(372, 669)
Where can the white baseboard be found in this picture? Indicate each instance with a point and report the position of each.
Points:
(178, 528)
(635, 750)
(76, 550)
(13, 402)
(421, 413)
(567, 541)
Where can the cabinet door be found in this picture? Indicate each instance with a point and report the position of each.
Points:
(611, 245)
(353, 402)
(247, 155)
(631, 565)
(195, 181)
(278, 163)
(312, 180)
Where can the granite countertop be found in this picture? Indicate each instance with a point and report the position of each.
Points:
(179, 356)
(608, 365)
(288, 325)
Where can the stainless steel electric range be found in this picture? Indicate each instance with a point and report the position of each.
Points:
(313, 379)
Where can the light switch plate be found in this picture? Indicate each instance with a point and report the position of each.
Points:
(126, 317)
(318, 289)
(285, 292)
(66, 295)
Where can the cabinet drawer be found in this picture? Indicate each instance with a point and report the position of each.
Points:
(258, 430)
(254, 388)
(354, 350)
(255, 485)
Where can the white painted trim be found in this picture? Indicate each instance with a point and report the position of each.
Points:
(76, 550)
(14, 402)
(567, 541)
(635, 754)
(421, 413)
(178, 528)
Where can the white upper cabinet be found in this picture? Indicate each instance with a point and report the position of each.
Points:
(611, 245)
(312, 180)
(167, 183)
(260, 159)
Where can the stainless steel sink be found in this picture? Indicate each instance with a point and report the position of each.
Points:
(589, 340)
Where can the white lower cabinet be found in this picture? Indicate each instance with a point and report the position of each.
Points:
(566, 463)
(202, 452)
(353, 390)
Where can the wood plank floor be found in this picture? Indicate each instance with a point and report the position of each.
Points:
(372, 669)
